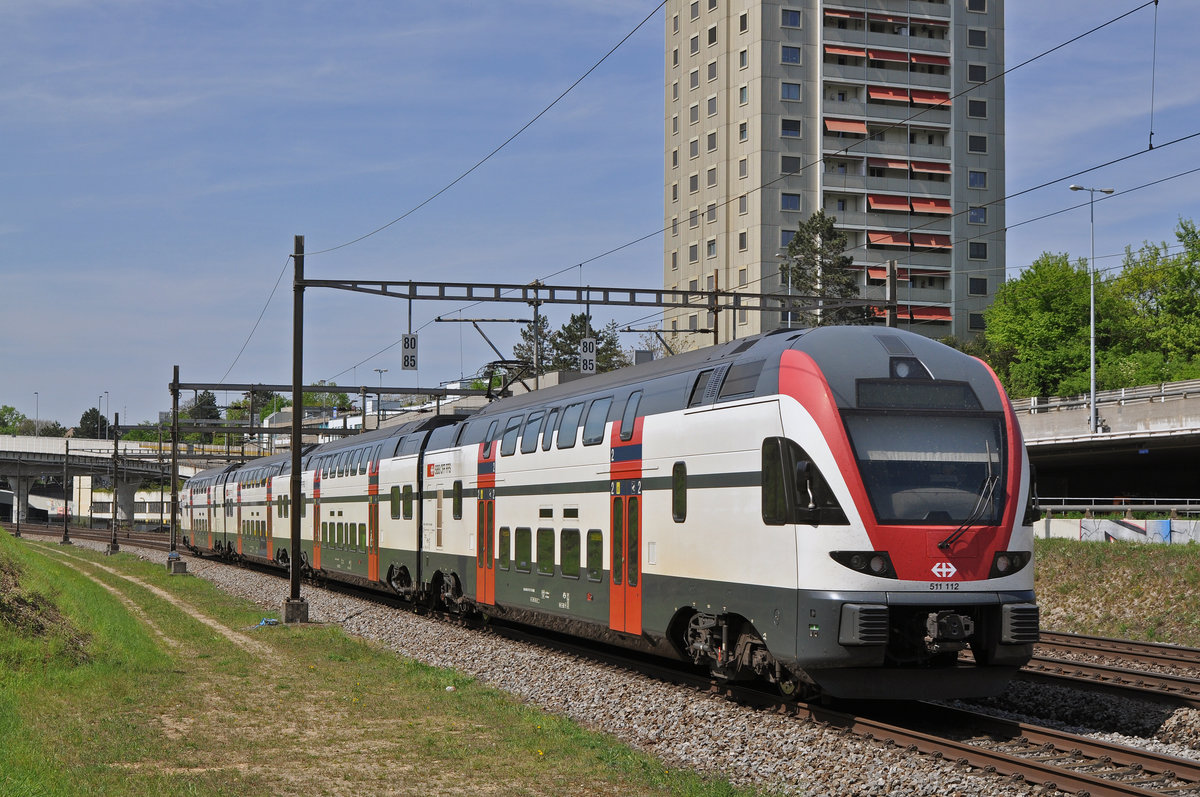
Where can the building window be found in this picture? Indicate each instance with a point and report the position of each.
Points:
(976, 322)
(976, 73)
(712, 70)
(695, 10)
(978, 6)
(694, 148)
(712, 142)
(977, 250)
(712, 106)
(693, 253)
(674, 192)
(744, 131)
(785, 237)
(675, 225)
(712, 177)
(790, 55)
(693, 219)
(743, 59)
(742, 242)
(711, 247)
(791, 19)
(977, 216)
(791, 165)
(675, 24)
(675, 158)
(743, 95)
(694, 79)
(976, 37)
(710, 213)
(977, 109)
(743, 204)
(976, 179)
(789, 202)
(675, 90)
(675, 125)
(675, 56)
(789, 91)
(694, 45)
(674, 261)
(743, 23)
(693, 183)
(977, 286)
(694, 114)
(743, 168)
(791, 128)
(712, 35)
(977, 144)
(712, 5)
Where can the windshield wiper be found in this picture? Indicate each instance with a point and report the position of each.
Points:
(985, 498)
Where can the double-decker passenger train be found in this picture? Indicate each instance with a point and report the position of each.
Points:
(842, 510)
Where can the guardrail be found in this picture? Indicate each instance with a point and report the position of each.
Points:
(1127, 395)
(1174, 507)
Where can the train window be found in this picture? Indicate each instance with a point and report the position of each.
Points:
(377, 454)
(529, 437)
(679, 492)
(505, 546)
(340, 541)
(359, 466)
(597, 419)
(512, 428)
(741, 380)
(489, 440)
(793, 489)
(595, 554)
(458, 499)
(629, 417)
(408, 502)
(618, 541)
(395, 496)
(774, 488)
(362, 536)
(548, 429)
(632, 529)
(545, 552)
(569, 547)
(697, 395)
(569, 428)
(523, 555)
(324, 533)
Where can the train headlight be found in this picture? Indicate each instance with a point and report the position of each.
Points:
(1005, 563)
(871, 563)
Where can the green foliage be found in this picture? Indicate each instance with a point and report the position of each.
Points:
(818, 266)
(92, 425)
(1147, 322)
(560, 349)
(10, 419)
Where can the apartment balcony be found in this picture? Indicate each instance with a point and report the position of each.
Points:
(868, 147)
(862, 74)
(891, 41)
(906, 295)
(926, 114)
(914, 7)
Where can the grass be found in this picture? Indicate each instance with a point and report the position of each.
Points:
(1132, 590)
(107, 687)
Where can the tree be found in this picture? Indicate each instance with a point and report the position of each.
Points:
(560, 348)
(10, 419)
(1039, 323)
(818, 265)
(328, 399)
(33, 428)
(202, 407)
(92, 425)
(525, 350)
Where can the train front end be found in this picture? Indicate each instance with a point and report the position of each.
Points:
(910, 490)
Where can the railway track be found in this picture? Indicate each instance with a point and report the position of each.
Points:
(1025, 752)
(1151, 653)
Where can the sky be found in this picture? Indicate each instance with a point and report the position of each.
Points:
(159, 158)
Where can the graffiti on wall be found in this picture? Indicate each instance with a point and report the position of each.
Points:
(1170, 532)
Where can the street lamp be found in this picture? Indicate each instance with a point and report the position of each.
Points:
(107, 412)
(379, 398)
(1092, 294)
(100, 415)
(36, 414)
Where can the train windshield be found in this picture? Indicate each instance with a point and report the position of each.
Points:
(931, 468)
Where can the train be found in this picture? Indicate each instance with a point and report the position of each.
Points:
(838, 511)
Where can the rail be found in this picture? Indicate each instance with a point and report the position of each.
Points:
(1165, 506)
(1165, 391)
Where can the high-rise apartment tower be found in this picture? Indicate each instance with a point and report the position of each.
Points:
(889, 114)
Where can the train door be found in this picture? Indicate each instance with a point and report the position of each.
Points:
(316, 527)
(373, 516)
(625, 502)
(485, 520)
(237, 522)
(270, 509)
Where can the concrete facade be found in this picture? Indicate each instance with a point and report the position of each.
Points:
(775, 109)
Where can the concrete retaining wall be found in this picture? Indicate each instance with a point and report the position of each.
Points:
(1171, 532)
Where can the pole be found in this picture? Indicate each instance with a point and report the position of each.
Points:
(296, 609)
(174, 562)
(113, 547)
(890, 294)
(66, 540)
(37, 415)
(1092, 306)
(17, 505)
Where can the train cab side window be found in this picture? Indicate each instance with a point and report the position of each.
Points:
(408, 502)
(595, 555)
(679, 492)
(741, 380)
(568, 543)
(529, 437)
(523, 556)
(548, 429)
(597, 420)
(568, 430)
(512, 428)
(697, 394)
(545, 552)
(793, 489)
(629, 417)
(505, 547)
(458, 499)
